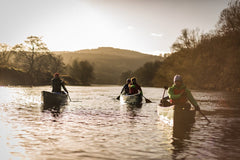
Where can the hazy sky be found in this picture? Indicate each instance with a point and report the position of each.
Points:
(148, 26)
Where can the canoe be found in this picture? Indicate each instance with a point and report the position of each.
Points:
(131, 99)
(176, 117)
(54, 98)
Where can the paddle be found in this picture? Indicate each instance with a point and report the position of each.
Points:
(118, 97)
(147, 100)
(69, 97)
(165, 88)
(204, 116)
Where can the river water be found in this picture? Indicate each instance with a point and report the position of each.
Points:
(94, 125)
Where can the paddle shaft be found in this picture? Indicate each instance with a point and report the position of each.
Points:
(204, 116)
(69, 97)
(163, 93)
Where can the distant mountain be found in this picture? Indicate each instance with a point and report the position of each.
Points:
(109, 62)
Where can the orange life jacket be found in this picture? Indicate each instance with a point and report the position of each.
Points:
(181, 100)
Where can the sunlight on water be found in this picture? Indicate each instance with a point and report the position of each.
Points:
(6, 95)
(94, 125)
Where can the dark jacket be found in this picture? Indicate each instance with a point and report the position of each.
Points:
(125, 89)
(57, 83)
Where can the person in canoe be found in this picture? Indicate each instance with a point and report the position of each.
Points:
(134, 87)
(57, 83)
(125, 89)
(179, 95)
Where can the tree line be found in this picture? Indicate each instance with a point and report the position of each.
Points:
(31, 63)
(206, 61)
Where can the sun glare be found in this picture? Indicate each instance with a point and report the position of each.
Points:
(6, 95)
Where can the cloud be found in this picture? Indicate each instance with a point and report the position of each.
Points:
(156, 34)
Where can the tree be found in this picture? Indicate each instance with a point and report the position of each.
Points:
(230, 18)
(35, 58)
(187, 40)
(125, 75)
(82, 71)
(5, 53)
(146, 73)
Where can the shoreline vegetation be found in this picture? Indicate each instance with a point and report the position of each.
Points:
(208, 61)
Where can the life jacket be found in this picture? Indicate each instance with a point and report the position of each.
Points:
(181, 100)
(133, 88)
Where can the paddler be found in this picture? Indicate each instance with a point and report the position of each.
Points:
(179, 95)
(134, 87)
(57, 83)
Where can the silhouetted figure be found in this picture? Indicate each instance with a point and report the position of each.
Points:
(57, 83)
(125, 89)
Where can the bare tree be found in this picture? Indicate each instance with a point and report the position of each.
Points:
(187, 40)
(27, 56)
(5, 54)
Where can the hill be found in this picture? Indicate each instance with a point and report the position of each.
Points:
(109, 62)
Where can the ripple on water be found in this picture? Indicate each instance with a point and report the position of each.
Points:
(95, 126)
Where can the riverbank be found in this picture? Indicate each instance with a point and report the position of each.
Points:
(13, 77)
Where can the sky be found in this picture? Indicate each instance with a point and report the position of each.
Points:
(147, 26)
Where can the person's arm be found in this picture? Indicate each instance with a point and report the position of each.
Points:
(192, 99)
(63, 85)
(122, 89)
(140, 89)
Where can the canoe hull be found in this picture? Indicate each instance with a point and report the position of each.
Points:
(53, 98)
(131, 99)
(176, 117)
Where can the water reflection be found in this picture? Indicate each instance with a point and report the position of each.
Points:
(181, 139)
(98, 127)
(132, 110)
(55, 110)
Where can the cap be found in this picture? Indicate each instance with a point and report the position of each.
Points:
(177, 78)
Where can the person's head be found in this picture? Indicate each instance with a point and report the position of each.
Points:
(133, 80)
(128, 80)
(56, 75)
(177, 80)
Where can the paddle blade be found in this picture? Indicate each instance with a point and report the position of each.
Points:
(118, 98)
(147, 100)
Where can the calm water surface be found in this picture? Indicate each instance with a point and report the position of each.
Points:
(94, 125)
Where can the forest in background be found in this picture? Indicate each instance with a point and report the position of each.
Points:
(206, 61)
(31, 63)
